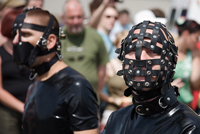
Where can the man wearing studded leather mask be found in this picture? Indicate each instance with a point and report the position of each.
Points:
(61, 101)
(149, 56)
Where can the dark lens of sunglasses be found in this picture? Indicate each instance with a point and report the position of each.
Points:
(108, 16)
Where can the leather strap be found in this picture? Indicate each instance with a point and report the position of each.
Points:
(157, 105)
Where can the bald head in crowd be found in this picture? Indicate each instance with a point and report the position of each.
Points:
(73, 16)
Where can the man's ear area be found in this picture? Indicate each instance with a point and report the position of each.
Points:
(51, 41)
(185, 33)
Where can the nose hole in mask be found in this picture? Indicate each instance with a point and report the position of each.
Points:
(126, 66)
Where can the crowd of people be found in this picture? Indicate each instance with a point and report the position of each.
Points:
(105, 74)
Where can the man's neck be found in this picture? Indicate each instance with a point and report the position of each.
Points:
(107, 32)
(59, 65)
(54, 65)
(181, 45)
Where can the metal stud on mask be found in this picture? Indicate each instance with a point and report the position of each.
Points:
(138, 67)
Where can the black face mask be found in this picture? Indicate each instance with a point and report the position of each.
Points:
(167, 60)
(22, 53)
(22, 50)
(25, 53)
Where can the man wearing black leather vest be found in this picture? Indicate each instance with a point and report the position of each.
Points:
(149, 56)
(61, 101)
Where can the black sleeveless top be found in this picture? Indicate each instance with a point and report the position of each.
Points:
(15, 78)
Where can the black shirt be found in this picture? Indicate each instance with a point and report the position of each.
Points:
(15, 77)
(177, 120)
(62, 104)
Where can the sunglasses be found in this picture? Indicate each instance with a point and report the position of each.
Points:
(109, 16)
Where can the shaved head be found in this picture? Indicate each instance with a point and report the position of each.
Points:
(73, 16)
(72, 5)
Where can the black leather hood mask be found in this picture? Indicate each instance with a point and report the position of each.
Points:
(167, 60)
(24, 53)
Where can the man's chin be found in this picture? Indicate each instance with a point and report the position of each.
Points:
(143, 89)
(76, 30)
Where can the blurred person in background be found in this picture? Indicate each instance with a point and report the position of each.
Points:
(115, 84)
(14, 81)
(34, 3)
(97, 8)
(83, 48)
(103, 17)
(187, 74)
(5, 7)
(61, 100)
(94, 5)
(150, 14)
(122, 23)
(105, 25)
(149, 56)
(8, 5)
(158, 13)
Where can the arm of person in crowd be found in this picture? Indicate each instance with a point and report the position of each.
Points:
(102, 74)
(178, 82)
(91, 131)
(195, 76)
(96, 16)
(101, 83)
(8, 99)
